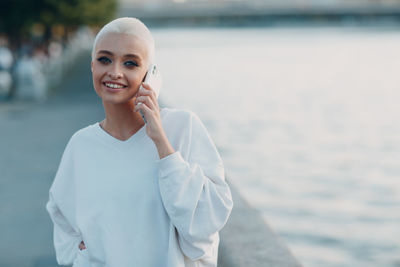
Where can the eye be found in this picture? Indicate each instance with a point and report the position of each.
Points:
(131, 63)
(104, 60)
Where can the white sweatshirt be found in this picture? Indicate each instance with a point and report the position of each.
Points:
(133, 209)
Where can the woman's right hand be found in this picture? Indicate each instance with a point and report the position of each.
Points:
(82, 245)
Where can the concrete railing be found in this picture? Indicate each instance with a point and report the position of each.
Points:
(247, 241)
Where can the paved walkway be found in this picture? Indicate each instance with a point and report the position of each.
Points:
(32, 139)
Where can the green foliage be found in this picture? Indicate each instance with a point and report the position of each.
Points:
(78, 12)
(18, 16)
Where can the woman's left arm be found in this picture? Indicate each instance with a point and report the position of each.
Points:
(195, 194)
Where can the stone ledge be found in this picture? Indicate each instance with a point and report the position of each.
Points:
(247, 240)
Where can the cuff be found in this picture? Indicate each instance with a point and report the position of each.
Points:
(170, 164)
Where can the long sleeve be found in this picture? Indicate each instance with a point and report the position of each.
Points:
(194, 192)
(61, 208)
(66, 239)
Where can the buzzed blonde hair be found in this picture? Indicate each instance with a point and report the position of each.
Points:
(128, 25)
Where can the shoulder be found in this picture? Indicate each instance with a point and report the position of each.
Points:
(178, 117)
(176, 113)
(82, 135)
(181, 123)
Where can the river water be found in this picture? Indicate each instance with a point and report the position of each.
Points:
(307, 124)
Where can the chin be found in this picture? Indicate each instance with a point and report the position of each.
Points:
(115, 99)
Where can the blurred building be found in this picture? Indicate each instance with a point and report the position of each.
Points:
(164, 9)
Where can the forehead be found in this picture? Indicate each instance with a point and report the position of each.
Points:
(121, 44)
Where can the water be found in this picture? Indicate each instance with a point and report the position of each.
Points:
(307, 123)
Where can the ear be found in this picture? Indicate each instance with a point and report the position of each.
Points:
(91, 65)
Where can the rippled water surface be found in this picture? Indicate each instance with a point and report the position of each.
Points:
(307, 123)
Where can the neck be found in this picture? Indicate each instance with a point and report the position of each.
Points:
(121, 121)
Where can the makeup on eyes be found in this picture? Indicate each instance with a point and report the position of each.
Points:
(131, 63)
(104, 60)
(128, 63)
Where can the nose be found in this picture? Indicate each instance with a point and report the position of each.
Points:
(115, 73)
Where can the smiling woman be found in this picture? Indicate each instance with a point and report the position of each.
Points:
(128, 193)
(120, 62)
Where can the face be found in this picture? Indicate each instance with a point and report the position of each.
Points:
(118, 67)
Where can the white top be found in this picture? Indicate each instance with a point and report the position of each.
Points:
(132, 208)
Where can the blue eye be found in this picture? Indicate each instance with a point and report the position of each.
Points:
(131, 63)
(104, 60)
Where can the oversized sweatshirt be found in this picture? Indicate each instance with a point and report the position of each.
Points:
(133, 209)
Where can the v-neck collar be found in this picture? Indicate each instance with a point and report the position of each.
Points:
(138, 135)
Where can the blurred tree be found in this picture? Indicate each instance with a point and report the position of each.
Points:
(74, 13)
(19, 18)
(15, 18)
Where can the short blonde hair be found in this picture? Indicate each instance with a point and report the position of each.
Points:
(128, 25)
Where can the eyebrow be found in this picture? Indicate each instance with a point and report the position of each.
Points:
(111, 54)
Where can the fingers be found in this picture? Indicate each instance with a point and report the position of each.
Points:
(147, 86)
(146, 110)
(148, 91)
(147, 95)
(146, 100)
(82, 245)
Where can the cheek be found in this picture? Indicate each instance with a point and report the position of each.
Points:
(97, 75)
(96, 78)
(134, 79)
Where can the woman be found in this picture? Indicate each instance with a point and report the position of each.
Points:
(130, 193)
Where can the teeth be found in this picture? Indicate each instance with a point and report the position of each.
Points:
(113, 85)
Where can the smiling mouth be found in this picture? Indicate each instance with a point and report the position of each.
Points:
(114, 85)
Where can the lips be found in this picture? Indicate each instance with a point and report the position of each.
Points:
(114, 85)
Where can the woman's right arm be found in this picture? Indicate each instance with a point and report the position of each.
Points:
(66, 239)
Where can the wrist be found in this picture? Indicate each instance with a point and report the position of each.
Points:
(164, 147)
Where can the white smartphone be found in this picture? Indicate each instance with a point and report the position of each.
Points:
(152, 78)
